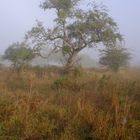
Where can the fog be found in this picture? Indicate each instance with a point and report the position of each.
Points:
(18, 16)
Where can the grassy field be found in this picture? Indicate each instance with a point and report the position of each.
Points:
(85, 105)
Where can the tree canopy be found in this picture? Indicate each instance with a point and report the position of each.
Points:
(74, 29)
(115, 58)
(19, 54)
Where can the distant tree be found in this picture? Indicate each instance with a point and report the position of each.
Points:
(115, 58)
(19, 54)
(75, 29)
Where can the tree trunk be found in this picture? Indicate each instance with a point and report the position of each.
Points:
(71, 62)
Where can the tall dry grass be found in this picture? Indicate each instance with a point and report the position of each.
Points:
(85, 105)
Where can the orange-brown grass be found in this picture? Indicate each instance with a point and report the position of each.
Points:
(85, 105)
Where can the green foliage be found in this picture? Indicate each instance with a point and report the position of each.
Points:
(60, 5)
(19, 54)
(114, 58)
(59, 83)
(66, 50)
(75, 30)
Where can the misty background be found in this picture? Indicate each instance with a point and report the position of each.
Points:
(19, 16)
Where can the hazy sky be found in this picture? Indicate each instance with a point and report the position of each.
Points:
(18, 16)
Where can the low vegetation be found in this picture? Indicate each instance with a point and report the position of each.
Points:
(70, 103)
(42, 104)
